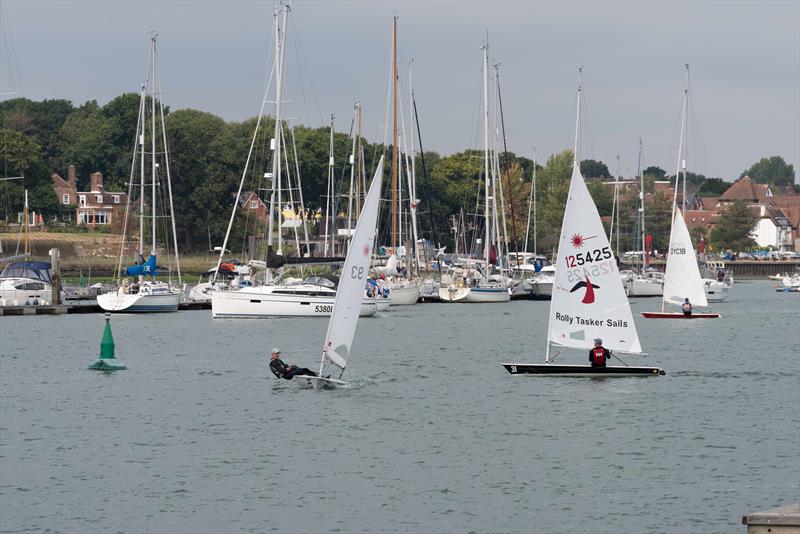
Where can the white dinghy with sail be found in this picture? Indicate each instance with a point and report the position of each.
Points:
(346, 307)
(682, 275)
(588, 299)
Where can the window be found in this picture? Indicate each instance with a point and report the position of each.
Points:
(253, 204)
(66, 217)
(82, 200)
(101, 217)
(99, 198)
(115, 199)
(65, 198)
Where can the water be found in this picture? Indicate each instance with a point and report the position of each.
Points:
(434, 436)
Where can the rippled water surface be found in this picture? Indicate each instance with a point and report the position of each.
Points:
(434, 435)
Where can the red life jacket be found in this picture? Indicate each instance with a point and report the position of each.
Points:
(599, 356)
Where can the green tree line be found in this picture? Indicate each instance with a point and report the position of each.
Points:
(207, 156)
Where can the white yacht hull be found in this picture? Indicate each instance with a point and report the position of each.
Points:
(22, 292)
(543, 288)
(383, 303)
(404, 296)
(642, 287)
(117, 301)
(253, 303)
(474, 294)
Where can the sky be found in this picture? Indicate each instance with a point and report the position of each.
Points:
(214, 56)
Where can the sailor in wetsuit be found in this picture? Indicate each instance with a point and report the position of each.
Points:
(599, 355)
(281, 370)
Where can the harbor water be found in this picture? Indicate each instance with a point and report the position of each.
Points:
(433, 436)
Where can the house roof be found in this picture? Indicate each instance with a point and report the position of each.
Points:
(745, 188)
(695, 218)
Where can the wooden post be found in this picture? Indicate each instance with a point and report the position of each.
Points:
(55, 283)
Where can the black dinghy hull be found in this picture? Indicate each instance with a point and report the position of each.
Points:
(545, 369)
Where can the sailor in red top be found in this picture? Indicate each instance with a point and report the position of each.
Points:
(599, 355)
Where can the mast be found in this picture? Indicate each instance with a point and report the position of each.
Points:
(394, 135)
(153, 164)
(425, 174)
(411, 168)
(507, 168)
(485, 49)
(25, 219)
(276, 157)
(685, 136)
(143, 120)
(352, 170)
(641, 208)
(532, 206)
(329, 191)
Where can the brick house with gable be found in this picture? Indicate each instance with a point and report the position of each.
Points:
(94, 208)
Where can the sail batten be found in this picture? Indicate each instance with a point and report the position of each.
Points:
(353, 280)
(588, 299)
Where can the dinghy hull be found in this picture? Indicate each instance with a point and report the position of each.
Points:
(545, 369)
(678, 315)
(316, 382)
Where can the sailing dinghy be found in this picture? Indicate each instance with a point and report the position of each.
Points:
(588, 299)
(346, 307)
(682, 275)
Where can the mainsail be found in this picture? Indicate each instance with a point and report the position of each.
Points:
(588, 298)
(352, 284)
(682, 277)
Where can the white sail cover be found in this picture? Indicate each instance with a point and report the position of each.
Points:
(682, 277)
(353, 280)
(588, 298)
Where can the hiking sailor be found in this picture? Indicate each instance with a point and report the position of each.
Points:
(281, 370)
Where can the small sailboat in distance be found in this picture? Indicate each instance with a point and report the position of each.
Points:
(682, 275)
(588, 299)
(346, 307)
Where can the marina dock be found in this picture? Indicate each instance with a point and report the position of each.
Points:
(81, 307)
(781, 520)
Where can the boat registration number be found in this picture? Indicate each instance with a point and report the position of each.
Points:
(323, 309)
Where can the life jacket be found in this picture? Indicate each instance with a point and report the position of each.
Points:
(278, 368)
(599, 356)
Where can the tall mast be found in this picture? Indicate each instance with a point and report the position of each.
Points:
(641, 207)
(329, 193)
(507, 168)
(394, 134)
(143, 122)
(485, 49)
(350, 191)
(531, 206)
(276, 157)
(25, 222)
(685, 135)
(153, 164)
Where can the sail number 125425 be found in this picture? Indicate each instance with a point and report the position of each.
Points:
(590, 256)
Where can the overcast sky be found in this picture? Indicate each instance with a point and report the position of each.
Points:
(745, 68)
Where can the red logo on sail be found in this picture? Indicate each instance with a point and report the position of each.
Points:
(588, 296)
(365, 249)
(578, 240)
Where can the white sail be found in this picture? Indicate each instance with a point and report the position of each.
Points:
(353, 280)
(682, 277)
(588, 299)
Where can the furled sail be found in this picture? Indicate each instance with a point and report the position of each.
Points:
(588, 299)
(682, 277)
(147, 268)
(354, 276)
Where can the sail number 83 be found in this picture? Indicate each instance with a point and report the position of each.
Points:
(590, 256)
(357, 272)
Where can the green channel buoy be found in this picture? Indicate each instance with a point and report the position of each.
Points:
(107, 361)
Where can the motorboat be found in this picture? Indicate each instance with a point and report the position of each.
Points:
(26, 283)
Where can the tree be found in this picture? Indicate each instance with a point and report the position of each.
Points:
(734, 228)
(594, 169)
(657, 172)
(84, 140)
(552, 188)
(713, 187)
(659, 220)
(773, 170)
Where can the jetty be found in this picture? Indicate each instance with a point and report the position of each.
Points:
(781, 520)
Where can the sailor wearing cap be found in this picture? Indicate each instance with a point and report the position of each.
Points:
(281, 370)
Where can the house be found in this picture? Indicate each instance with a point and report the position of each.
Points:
(252, 205)
(93, 208)
(773, 228)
